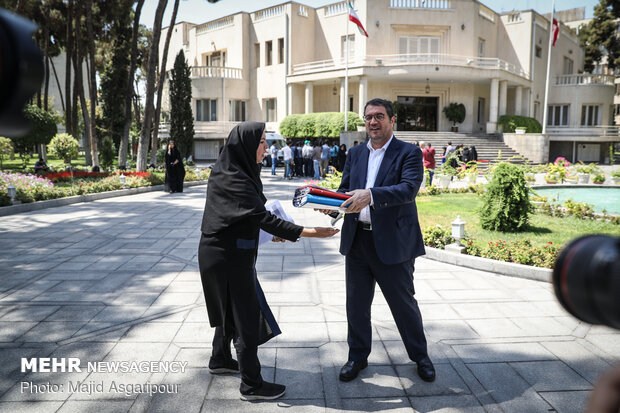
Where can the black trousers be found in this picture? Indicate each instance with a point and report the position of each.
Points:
(363, 271)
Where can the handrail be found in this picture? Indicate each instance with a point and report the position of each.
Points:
(603, 130)
(421, 4)
(216, 24)
(584, 79)
(203, 127)
(204, 72)
(413, 59)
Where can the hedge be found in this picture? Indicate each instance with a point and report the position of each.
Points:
(510, 122)
(318, 125)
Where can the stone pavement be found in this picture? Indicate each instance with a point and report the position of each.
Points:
(117, 280)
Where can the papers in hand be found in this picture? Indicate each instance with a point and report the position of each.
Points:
(276, 209)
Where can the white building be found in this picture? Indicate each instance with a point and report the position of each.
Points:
(290, 58)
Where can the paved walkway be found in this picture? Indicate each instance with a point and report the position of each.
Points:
(117, 280)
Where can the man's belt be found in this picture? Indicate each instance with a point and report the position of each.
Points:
(366, 226)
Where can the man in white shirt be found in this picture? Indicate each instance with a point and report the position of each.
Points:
(287, 153)
(274, 157)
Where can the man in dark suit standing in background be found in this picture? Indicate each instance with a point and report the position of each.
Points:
(381, 238)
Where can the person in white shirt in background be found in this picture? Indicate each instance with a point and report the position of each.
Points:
(274, 157)
(288, 160)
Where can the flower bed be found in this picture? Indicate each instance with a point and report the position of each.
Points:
(31, 188)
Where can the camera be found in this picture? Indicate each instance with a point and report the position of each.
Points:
(21, 71)
(586, 279)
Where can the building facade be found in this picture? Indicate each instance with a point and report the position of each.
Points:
(292, 58)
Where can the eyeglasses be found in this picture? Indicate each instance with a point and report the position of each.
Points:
(379, 117)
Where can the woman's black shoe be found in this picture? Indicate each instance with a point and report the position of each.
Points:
(268, 391)
(351, 369)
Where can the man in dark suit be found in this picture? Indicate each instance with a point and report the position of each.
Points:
(381, 238)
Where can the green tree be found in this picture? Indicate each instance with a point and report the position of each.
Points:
(43, 130)
(107, 153)
(506, 202)
(181, 117)
(64, 146)
(6, 148)
(599, 37)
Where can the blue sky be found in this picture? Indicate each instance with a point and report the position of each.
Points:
(200, 11)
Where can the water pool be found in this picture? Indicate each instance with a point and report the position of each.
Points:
(603, 198)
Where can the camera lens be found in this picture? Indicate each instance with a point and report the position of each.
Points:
(586, 279)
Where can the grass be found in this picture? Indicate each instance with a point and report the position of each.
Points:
(443, 209)
(59, 165)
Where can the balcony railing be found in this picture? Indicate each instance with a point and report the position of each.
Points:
(267, 13)
(584, 79)
(421, 4)
(202, 127)
(216, 24)
(205, 72)
(412, 59)
(607, 130)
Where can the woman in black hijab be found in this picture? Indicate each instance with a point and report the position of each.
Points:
(234, 213)
(175, 172)
(341, 157)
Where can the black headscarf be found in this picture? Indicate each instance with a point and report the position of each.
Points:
(235, 189)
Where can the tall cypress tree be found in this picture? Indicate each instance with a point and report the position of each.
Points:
(600, 36)
(181, 117)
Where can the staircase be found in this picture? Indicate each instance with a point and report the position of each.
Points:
(487, 146)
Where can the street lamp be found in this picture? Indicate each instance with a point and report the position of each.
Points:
(458, 233)
(11, 192)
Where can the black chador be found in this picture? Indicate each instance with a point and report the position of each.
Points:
(234, 213)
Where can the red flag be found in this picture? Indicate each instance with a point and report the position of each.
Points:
(353, 17)
(555, 30)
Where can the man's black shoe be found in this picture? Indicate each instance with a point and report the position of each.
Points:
(351, 369)
(426, 370)
(229, 366)
(267, 391)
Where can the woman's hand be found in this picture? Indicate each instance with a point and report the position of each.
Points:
(319, 232)
(278, 239)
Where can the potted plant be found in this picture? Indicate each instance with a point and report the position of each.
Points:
(455, 112)
(469, 172)
(584, 171)
(445, 173)
(598, 179)
(615, 177)
(520, 130)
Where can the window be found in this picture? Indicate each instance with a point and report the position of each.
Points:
(481, 110)
(343, 46)
(281, 50)
(257, 54)
(419, 45)
(237, 111)
(557, 115)
(206, 110)
(269, 106)
(589, 115)
(480, 47)
(538, 51)
(268, 53)
(217, 59)
(568, 66)
(350, 103)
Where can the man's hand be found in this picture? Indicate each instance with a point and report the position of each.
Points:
(360, 199)
(278, 239)
(325, 211)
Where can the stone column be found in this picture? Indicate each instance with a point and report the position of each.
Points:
(289, 98)
(309, 97)
(363, 95)
(503, 94)
(519, 100)
(493, 106)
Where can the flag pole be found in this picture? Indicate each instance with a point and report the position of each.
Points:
(545, 108)
(346, 74)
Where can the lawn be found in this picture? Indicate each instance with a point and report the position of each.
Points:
(59, 165)
(443, 209)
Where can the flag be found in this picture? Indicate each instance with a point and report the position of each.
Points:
(555, 29)
(353, 17)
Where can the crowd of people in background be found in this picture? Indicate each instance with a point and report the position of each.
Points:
(310, 159)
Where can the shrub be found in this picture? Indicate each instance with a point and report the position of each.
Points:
(307, 126)
(107, 153)
(64, 146)
(437, 237)
(6, 148)
(318, 125)
(506, 202)
(26, 186)
(510, 122)
(290, 125)
(455, 112)
(43, 128)
(519, 252)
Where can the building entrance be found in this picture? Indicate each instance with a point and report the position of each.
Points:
(417, 113)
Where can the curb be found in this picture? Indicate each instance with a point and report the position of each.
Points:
(484, 264)
(52, 203)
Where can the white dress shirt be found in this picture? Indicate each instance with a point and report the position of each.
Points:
(374, 162)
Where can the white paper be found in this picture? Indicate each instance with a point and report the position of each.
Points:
(276, 209)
